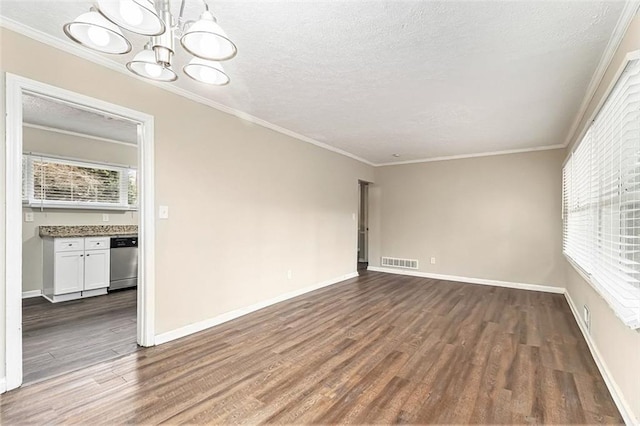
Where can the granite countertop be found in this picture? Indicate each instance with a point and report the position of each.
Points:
(88, 231)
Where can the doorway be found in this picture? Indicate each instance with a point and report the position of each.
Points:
(363, 225)
(18, 91)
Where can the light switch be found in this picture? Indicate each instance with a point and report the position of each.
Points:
(163, 212)
(28, 217)
(105, 217)
(353, 216)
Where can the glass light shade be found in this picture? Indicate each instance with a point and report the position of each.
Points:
(208, 72)
(92, 30)
(138, 16)
(144, 64)
(205, 39)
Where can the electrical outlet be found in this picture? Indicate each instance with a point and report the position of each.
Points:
(289, 274)
(586, 316)
(105, 217)
(433, 260)
(28, 217)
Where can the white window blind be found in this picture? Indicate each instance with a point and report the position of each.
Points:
(62, 183)
(601, 199)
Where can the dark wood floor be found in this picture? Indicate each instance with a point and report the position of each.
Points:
(375, 349)
(62, 337)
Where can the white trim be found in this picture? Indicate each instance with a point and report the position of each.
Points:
(84, 53)
(481, 154)
(15, 87)
(631, 56)
(228, 316)
(13, 233)
(78, 135)
(614, 390)
(146, 234)
(3, 385)
(483, 281)
(31, 293)
(628, 13)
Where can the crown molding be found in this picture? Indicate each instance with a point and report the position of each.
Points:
(76, 134)
(631, 7)
(482, 154)
(96, 58)
(629, 11)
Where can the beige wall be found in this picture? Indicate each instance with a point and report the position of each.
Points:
(496, 217)
(246, 203)
(618, 345)
(50, 142)
(47, 142)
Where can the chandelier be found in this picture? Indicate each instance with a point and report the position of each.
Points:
(100, 29)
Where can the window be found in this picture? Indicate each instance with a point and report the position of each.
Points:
(601, 199)
(61, 183)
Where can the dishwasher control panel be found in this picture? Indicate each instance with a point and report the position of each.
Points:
(121, 242)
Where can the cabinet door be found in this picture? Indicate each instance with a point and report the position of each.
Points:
(96, 269)
(69, 272)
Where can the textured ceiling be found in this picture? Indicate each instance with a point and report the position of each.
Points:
(57, 115)
(422, 79)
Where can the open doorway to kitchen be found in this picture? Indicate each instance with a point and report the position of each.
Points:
(79, 220)
(363, 225)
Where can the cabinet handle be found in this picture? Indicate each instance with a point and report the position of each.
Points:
(87, 255)
(82, 255)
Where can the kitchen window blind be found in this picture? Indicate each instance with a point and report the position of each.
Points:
(601, 199)
(60, 183)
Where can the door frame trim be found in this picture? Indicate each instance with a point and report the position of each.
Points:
(15, 87)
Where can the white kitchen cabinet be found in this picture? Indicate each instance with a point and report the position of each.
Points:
(96, 269)
(75, 267)
(69, 272)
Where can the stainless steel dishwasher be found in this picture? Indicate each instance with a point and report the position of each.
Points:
(124, 262)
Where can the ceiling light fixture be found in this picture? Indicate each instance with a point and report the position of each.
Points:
(92, 30)
(209, 72)
(99, 29)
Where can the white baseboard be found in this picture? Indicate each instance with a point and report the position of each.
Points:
(614, 390)
(32, 293)
(3, 385)
(228, 316)
(521, 286)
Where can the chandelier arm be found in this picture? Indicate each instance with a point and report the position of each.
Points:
(181, 10)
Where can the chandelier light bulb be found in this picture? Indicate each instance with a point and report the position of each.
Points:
(144, 64)
(208, 72)
(98, 35)
(209, 46)
(130, 13)
(154, 70)
(209, 76)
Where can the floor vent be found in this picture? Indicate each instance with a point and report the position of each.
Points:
(400, 263)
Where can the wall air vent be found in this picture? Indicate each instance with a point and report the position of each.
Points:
(399, 263)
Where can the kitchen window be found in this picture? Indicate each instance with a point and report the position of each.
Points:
(50, 182)
(601, 200)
